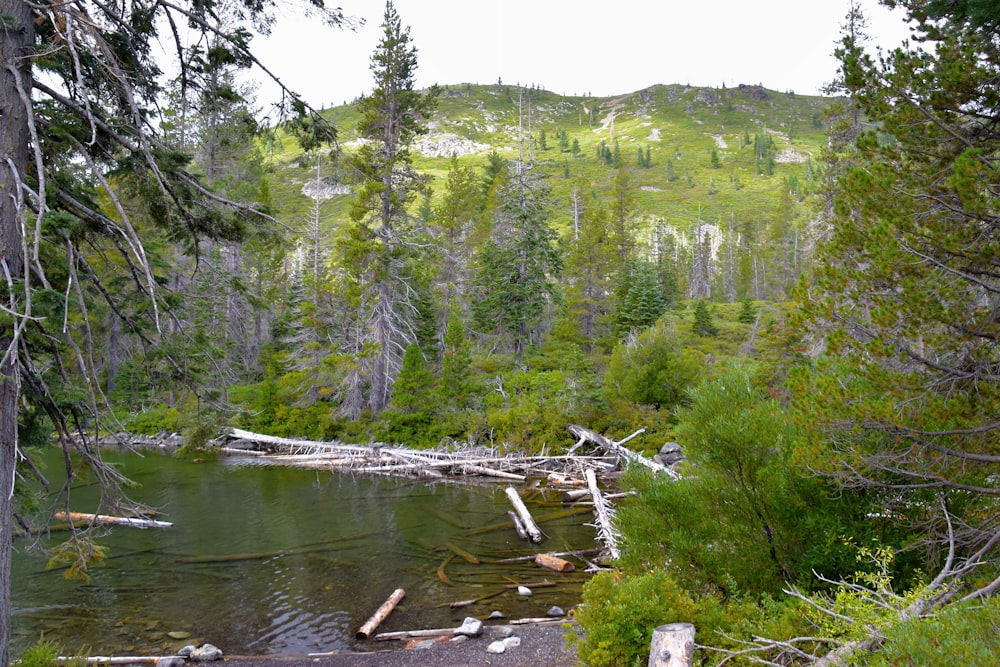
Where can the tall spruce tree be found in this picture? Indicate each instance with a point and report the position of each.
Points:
(391, 117)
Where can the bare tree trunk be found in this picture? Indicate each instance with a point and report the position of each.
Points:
(15, 72)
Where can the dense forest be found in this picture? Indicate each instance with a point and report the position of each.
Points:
(801, 291)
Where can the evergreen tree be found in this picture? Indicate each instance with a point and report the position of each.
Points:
(456, 388)
(412, 391)
(590, 262)
(640, 300)
(391, 117)
(703, 325)
(517, 266)
(908, 387)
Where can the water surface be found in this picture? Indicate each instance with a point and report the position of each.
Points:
(275, 560)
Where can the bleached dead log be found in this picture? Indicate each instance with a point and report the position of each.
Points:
(81, 517)
(618, 450)
(534, 532)
(605, 526)
(369, 627)
(116, 660)
(518, 526)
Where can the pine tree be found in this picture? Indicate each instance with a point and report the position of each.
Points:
(517, 266)
(456, 389)
(640, 300)
(391, 117)
(703, 325)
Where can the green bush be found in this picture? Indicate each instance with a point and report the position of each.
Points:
(619, 614)
(966, 634)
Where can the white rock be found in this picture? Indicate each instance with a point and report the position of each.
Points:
(496, 647)
(523, 590)
(512, 642)
(471, 627)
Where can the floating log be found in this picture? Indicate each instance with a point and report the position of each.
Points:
(554, 563)
(369, 627)
(534, 532)
(579, 554)
(117, 520)
(605, 527)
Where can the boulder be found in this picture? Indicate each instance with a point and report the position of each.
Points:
(471, 627)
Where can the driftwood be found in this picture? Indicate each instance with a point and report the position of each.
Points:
(80, 517)
(397, 460)
(116, 660)
(530, 527)
(605, 527)
(616, 448)
(369, 627)
(560, 554)
(554, 563)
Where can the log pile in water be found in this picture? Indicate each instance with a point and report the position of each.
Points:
(568, 469)
(403, 461)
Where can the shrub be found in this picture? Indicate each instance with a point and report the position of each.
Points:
(620, 612)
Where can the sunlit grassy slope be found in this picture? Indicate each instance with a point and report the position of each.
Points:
(677, 124)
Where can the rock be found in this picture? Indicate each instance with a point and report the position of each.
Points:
(424, 644)
(178, 634)
(504, 631)
(471, 627)
(186, 651)
(206, 653)
(496, 647)
(171, 661)
(670, 453)
(496, 613)
(523, 590)
(511, 642)
(555, 612)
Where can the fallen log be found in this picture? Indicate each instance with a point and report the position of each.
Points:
(459, 551)
(117, 520)
(616, 448)
(534, 532)
(579, 554)
(554, 563)
(117, 660)
(442, 575)
(605, 527)
(518, 526)
(380, 614)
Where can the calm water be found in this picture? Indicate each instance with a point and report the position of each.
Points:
(273, 560)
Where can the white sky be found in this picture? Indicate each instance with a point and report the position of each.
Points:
(576, 46)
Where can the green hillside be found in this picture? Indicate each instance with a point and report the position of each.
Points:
(678, 127)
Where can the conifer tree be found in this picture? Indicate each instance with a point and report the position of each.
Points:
(703, 325)
(391, 117)
(517, 267)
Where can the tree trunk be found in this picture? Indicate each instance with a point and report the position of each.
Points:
(14, 138)
(672, 646)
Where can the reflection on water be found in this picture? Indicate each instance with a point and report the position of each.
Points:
(273, 560)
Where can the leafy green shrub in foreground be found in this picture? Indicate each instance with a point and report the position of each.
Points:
(620, 612)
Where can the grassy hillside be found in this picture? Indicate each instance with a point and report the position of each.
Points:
(677, 126)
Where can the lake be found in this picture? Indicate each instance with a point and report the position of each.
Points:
(272, 560)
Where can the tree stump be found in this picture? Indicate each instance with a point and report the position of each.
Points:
(673, 646)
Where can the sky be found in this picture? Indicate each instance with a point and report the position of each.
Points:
(575, 47)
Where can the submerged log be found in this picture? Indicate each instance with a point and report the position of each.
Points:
(380, 614)
(117, 520)
(534, 532)
(518, 526)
